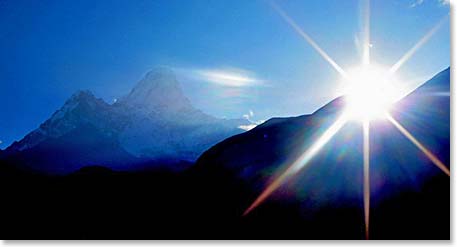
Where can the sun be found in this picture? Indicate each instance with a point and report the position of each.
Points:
(370, 92)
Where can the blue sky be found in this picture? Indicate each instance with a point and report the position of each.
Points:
(49, 49)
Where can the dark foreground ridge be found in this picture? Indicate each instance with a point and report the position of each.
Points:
(96, 203)
(410, 196)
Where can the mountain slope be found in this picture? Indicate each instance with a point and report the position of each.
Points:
(404, 182)
(154, 123)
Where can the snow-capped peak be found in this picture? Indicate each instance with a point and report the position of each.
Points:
(158, 90)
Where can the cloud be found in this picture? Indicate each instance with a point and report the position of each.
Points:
(249, 115)
(227, 78)
(234, 78)
(444, 2)
(420, 2)
(416, 3)
(253, 124)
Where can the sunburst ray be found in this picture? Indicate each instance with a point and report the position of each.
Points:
(308, 38)
(366, 33)
(366, 176)
(418, 45)
(419, 145)
(300, 163)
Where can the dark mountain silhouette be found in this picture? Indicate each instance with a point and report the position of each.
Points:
(327, 194)
(410, 196)
(279, 141)
(154, 124)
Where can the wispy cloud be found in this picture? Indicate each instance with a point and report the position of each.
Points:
(253, 124)
(249, 115)
(225, 77)
(417, 3)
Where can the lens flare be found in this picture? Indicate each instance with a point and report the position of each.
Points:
(366, 176)
(418, 45)
(366, 33)
(307, 38)
(301, 162)
(370, 92)
(427, 153)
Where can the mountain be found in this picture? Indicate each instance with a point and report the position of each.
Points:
(409, 195)
(155, 124)
(158, 91)
(325, 198)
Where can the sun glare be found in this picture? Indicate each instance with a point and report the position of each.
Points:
(370, 92)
